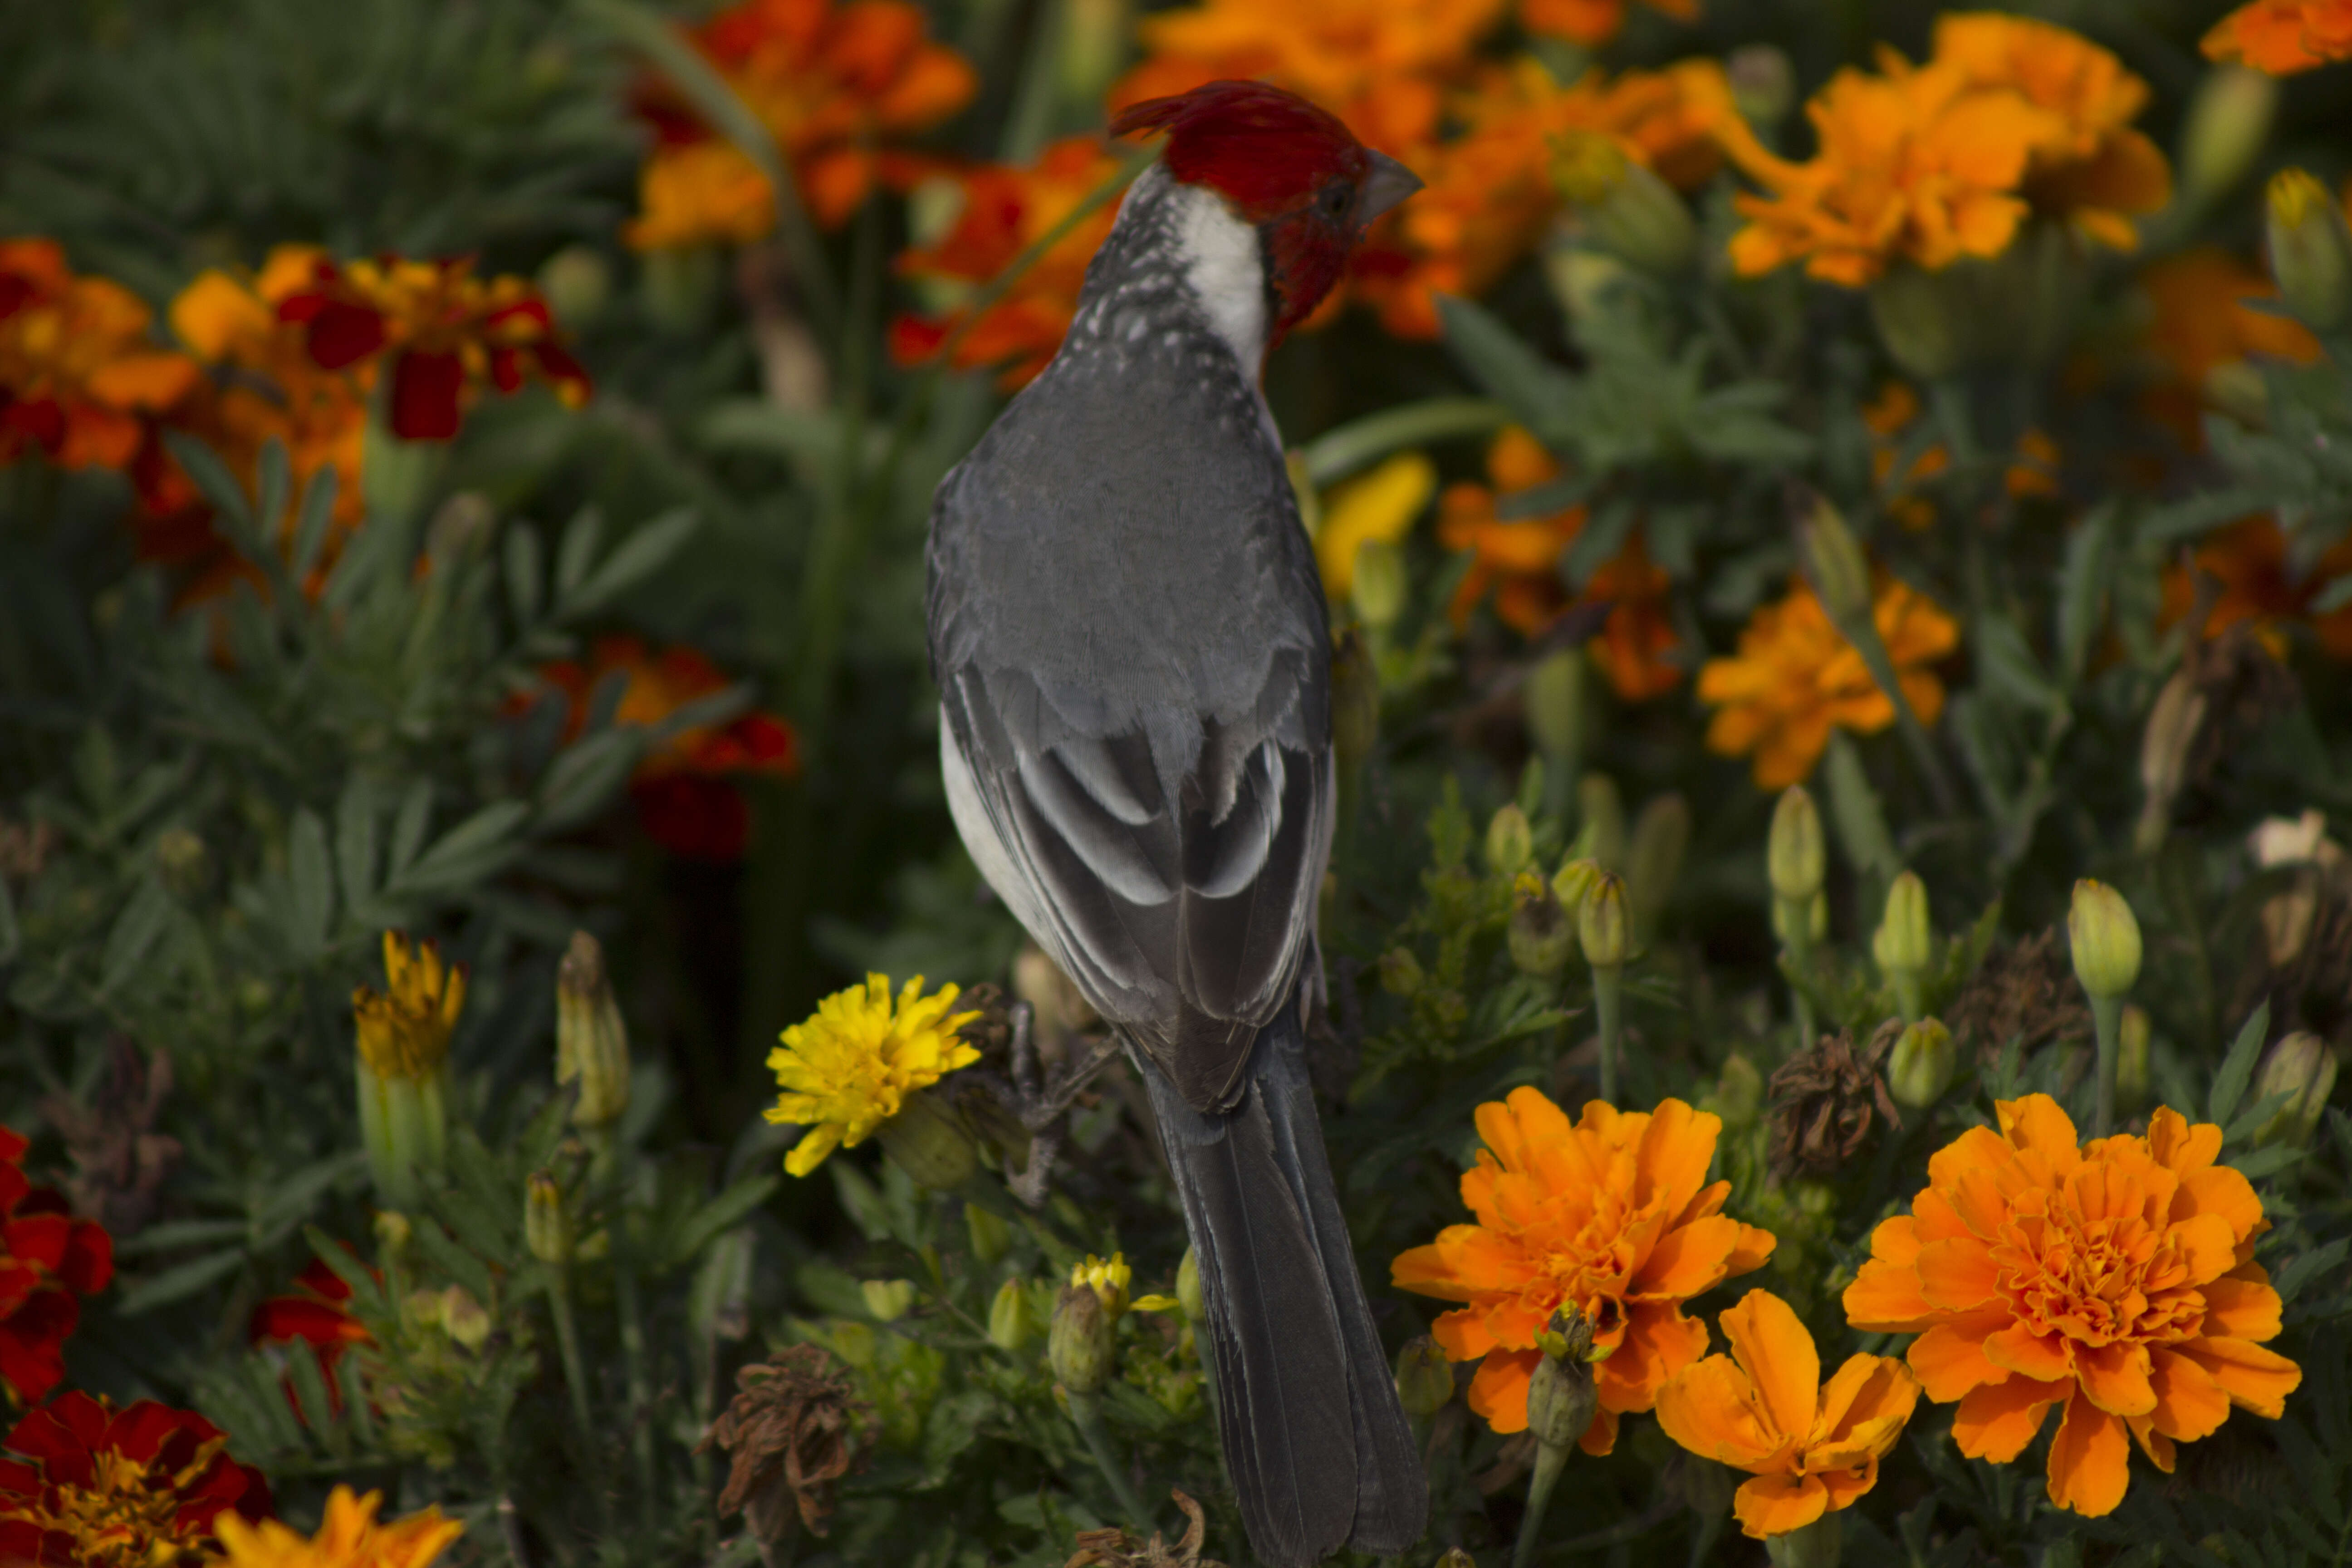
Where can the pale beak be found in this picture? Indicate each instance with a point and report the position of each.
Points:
(1389, 183)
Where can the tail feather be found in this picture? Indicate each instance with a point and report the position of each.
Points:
(1317, 1444)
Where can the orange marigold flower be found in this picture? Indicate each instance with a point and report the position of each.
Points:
(1005, 211)
(833, 84)
(2204, 318)
(1592, 22)
(48, 1261)
(83, 1484)
(683, 790)
(78, 375)
(448, 333)
(1520, 560)
(2249, 557)
(349, 1537)
(1490, 194)
(1795, 675)
(2035, 471)
(1763, 1409)
(1610, 1215)
(2115, 1281)
(2090, 167)
(2283, 36)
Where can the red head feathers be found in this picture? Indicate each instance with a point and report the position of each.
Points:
(1285, 165)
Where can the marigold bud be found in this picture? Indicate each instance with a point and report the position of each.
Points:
(592, 1041)
(1011, 1324)
(1188, 1288)
(1795, 856)
(2132, 1057)
(1573, 885)
(1401, 972)
(2105, 938)
(2301, 1067)
(1601, 812)
(1921, 1065)
(1510, 842)
(393, 1233)
(1834, 564)
(1628, 211)
(465, 1320)
(1738, 1094)
(577, 283)
(1813, 914)
(1456, 1558)
(888, 1299)
(1078, 1345)
(1601, 923)
(183, 862)
(1900, 942)
(546, 1222)
(1424, 1378)
(2229, 121)
(926, 1141)
(1539, 932)
(1555, 701)
(1561, 1399)
(1653, 861)
(992, 1238)
(2311, 252)
(402, 1070)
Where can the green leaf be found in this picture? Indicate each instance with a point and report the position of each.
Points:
(2305, 1267)
(355, 839)
(587, 776)
(861, 1199)
(467, 852)
(2238, 1068)
(577, 550)
(523, 571)
(211, 475)
(317, 515)
(719, 1215)
(12, 937)
(275, 484)
(2010, 667)
(178, 1284)
(1538, 394)
(638, 557)
(2083, 591)
(135, 932)
(177, 1234)
(455, 1261)
(312, 877)
(408, 828)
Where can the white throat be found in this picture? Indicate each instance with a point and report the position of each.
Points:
(1227, 275)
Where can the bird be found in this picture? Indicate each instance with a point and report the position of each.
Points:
(1132, 651)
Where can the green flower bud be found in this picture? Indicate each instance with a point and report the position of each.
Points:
(393, 1233)
(2311, 252)
(1653, 863)
(577, 282)
(1078, 1346)
(1628, 211)
(1380, 585)
(1815, 918)
(2301, 1067)
(1834, 564)
(546, 1223)
(2229, 121)
(1796, 856)
(1573, 885)
(1010, 1323)
(1188, 1288)
(592, 1041)
(888, 1299)
(2131, 1057)
(2105, 938)
(1602, 811)
(927, 1142)
(1821, 1544)
(992, 1238)
(1561, 1399)
(1900, 942)
(1601, 923)
(853, 1342)
(1540, 934)
(465, 1320)
(1921, 1065)
(1555, 701)
(1456, 1558)
(1738, 1093)
(1401, 972)
(1355, 700)
(1510, 842)
(183, 862)
(1424, 1378)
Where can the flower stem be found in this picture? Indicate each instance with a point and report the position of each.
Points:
(1797, 950)
(1551, 1459)
(2107, 1015)
(567, 1340)
(1609, 1006)
(1086, 1414)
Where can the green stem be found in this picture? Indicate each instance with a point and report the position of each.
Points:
(2107, 1015)
(1907, 999)
(1862, 633)
(567, 1340)
(1086, 1414)
(1609, 1006)
(1798, 945)
(1550, 1460)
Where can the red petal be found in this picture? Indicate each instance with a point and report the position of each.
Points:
(506, 369)
(341, 334)
(89, 1257)
(697, 818)
(425, 387)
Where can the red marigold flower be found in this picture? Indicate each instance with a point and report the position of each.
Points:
(448, 333)
(313, 1315)
(48, 1261)
(85, 1486)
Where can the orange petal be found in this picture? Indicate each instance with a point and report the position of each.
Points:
(1978, 1148)
(1998, 1420)
(1775, 1505)
(2090, 1460)
(2153, 1443)
(2208, 1247)
(1675, 1150)
(1500, 1391)
(1884, 1298)
(1958, 1275)
(2035, 1124)
(2219, 1190)
(2254, 1379)
(1846, 1485)
(1659, 1342)
(1711, 1408)
(1687, 1261)
(1749, 1253)
(2179, 1147)
(2240, 1308)
(2115, 1378)
(1950, 1357)
(1771, 1345)
(1865, 1405)
(2020, 1349)
(1895, 1241)
(1463, 1334)
(2189, 1404)
(1600, 1437)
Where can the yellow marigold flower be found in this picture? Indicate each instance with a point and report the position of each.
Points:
(1381, 507)
(404, 1032)
(2113, 1281)
(1109, 1281)
(1813, 1449)
(1611, 1217)
(1795, 675)
(349, 1537)
(2090, 166)
(848, 1070)
(2283, 36)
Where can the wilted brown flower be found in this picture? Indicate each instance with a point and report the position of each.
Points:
(119, 1161)
(792, 1431)
(1823, 1100)
(1118, 1549)
(2023, 991)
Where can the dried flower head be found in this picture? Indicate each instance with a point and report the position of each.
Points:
(2023, 991)
(120, 1160)
(793, 1429)
(1825, 1099)
(1117, 1549)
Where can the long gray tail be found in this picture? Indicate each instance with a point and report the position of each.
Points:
(1307, 1406)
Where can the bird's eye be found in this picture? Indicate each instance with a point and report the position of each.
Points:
(1334, 200)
